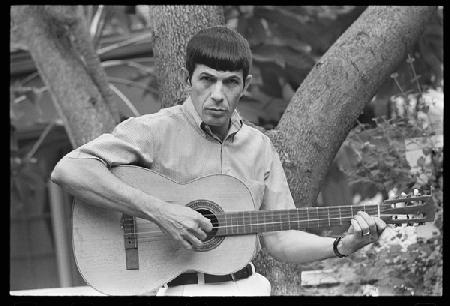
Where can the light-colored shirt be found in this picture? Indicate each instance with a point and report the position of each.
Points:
(175, 143)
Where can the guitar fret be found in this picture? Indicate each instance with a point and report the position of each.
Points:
(231, 227)
(280, 219)
(226, 224)
(257, 220)
(236, 223)
(270, 214)
(340, 216)
(264, 222)
(329, 221)
(317, 216)
(307, 213)
(289, 221)
(250, 225)
(285, 220)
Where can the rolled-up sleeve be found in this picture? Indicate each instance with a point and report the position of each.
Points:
(277, 194)
(129, 143)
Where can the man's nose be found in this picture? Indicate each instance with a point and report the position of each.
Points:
(217, 92)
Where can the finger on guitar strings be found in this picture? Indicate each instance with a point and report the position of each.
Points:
(199, 233)
(365, 230)
(369, 220)
(205, 224)
(380, 224)
(356, 228)
(191, 239)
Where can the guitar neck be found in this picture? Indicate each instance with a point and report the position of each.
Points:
(251, 222)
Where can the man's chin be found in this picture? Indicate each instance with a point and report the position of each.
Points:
(216, 121)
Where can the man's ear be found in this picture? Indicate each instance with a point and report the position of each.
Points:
(248, 80)
(185, 73)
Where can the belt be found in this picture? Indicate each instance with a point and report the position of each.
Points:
(193, 278)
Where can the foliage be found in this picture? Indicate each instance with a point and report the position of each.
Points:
(413, 264)
(383, 148)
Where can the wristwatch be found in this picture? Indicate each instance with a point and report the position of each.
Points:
(335, 244)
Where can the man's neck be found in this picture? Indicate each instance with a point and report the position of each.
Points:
(220, 131)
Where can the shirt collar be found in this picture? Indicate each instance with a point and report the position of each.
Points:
(236, 121)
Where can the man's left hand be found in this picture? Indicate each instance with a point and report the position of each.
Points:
(363, 230)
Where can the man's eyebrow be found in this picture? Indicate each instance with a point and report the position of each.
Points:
(233, 77)
(207, 74)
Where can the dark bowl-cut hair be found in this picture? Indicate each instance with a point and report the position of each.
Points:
(219, 48)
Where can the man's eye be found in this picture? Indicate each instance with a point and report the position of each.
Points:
(232, 81)
(207, 79)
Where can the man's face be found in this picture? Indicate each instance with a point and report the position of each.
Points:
(215, 94)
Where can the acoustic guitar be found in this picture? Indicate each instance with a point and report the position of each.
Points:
(119, 254)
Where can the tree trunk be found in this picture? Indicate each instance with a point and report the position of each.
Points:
(327, 103)
(174, 26)
(69, 67)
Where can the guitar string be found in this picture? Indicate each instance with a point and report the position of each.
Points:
(309, 211)
(302, 212)
(234, 223)
(326, 211)
(314, 209)
(283, 214)
(162, 236)
(237, 226)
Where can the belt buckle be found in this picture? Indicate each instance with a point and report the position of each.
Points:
(200, 278)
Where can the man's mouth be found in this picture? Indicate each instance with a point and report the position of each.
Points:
(213, 109)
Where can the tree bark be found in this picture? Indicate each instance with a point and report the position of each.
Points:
(174, 26)
(69, 67)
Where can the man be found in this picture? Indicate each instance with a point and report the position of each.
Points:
(203, 136)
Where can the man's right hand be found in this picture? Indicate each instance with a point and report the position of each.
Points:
(183, 224)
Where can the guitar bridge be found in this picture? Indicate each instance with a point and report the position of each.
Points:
(128, 225)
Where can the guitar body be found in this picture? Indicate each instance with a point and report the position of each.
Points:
(98, 238)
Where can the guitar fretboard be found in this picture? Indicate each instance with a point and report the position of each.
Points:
(251, 222)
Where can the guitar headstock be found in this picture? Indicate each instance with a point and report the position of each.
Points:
(409, 209)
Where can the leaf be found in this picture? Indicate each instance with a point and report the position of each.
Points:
(421, 161)
(375, 172)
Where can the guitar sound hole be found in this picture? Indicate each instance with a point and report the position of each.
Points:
(209, 210)
(208, 214)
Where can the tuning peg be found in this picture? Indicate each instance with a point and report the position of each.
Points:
(421, 223)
